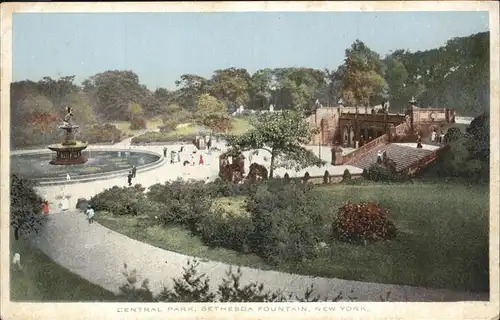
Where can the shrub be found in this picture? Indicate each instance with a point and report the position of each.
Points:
(307, 176)
(364, 174)
(363, 222)
(102, 133)
(185, 202)
(347, 175)
(137, 123)
(286, 177)
(377, 172)
(130, 292)
(326, 177)
(194, 287)
(25, 207)
(120, 200)
(218, 230)
(285, 226)
(191, 287)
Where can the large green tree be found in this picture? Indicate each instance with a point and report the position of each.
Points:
(115, 90)
(362, 76)
(211, 113)
(232, 85)
(281, 134)
(190, 87)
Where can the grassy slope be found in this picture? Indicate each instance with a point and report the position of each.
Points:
(124, 126)
(41, 279)
(442, 241)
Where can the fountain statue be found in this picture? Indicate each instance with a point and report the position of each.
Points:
(69, 151)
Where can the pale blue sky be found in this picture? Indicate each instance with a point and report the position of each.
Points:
(159, 47)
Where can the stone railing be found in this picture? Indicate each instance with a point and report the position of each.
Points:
(320, 179)
(401, 129)
(418, 165)
(383, 139)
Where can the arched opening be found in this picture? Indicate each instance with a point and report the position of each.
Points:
(371, 134)
(345, 136)
(352, 138)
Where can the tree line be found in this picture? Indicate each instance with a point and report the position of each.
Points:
(455, 75)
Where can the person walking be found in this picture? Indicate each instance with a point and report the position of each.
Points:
(201, 162)
(129, 178)
(90, 214)
(134, 171)
(165, 152)
(434, 136)
(45, 207)
(419, 142)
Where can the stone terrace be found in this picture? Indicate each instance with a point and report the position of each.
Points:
(403, 154)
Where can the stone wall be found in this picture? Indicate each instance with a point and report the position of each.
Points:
(330, 122)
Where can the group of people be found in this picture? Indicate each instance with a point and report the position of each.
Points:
(437, 137)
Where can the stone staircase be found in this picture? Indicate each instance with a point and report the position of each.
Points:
(403, 156)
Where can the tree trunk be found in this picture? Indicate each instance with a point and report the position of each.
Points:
(271, 169)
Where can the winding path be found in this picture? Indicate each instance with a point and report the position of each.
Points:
(98, 254)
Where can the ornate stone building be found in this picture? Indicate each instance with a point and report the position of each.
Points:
(353, 127)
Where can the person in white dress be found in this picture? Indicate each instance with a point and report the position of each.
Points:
(64, 205)
(90, 214)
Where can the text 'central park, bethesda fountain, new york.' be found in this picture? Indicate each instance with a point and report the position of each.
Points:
(69, 151)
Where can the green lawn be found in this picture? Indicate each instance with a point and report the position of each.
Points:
(41, 279)
(124, 126)
(442, 240)
(240, 126)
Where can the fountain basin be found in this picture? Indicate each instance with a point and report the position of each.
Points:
(101, 164)
(68, 153)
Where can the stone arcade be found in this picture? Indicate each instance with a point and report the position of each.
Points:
(352, 127)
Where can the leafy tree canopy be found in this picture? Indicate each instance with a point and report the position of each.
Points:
(282, 135)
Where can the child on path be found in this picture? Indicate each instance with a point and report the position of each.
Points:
(201, 162)
(90, 214)
(45, 207)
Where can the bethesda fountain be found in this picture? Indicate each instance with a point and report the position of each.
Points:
(69, 151)
(74, 161)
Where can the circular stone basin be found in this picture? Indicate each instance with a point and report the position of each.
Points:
(36, 166)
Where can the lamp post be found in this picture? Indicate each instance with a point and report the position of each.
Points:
(320, 140)
(321, 127)
(273, 90)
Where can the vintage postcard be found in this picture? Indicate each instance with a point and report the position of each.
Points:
(253, 160)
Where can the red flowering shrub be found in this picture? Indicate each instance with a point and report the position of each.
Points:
(366, 221)
(137, 123)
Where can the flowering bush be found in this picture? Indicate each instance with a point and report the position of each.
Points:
(137, 123)
(359, 223)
